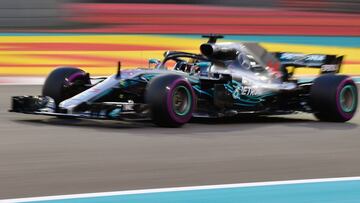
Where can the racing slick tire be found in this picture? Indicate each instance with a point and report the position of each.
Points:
(171, 100)
(65, 82)
(334, 98)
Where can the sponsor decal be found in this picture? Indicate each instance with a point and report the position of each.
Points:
(290, 56)
(329, 68)
(315, 57)
(246, 90)
(295, 56)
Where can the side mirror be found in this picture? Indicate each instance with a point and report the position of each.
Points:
(154, 62)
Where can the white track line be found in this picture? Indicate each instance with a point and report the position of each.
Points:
(177, 189)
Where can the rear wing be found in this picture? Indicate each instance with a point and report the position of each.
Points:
(326, 63)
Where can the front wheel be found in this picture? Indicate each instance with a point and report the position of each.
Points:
(334, 98)
(65, 82)
(171, 100)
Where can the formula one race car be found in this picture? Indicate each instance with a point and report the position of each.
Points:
(226, 79)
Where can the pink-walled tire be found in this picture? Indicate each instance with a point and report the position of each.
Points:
(171, 100)
(56, 84)
(334, 98)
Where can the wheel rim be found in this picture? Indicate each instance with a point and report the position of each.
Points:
(348, 98)
(181, 100)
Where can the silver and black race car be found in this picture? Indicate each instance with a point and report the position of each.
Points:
(225, 79)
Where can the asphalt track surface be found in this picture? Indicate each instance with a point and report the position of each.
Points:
(46, 156)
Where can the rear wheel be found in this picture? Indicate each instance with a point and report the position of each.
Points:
(334, 98)
(65, 82)
(171, 99)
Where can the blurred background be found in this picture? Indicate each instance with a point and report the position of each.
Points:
(317, 14)
(38, 35)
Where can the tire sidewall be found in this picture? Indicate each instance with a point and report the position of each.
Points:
(169, 101)
(56, 81)
(159, 97)
(325, 98)
(339, 110)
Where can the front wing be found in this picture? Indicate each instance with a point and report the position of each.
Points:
(40, 105)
